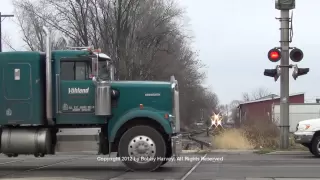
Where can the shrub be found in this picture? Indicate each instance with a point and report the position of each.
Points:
(261, 133)
(232, 139)
(252, 134)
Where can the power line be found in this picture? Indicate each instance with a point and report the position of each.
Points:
(3, 16)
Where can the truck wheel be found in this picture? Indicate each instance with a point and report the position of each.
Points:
(316, 146)
(310, 149)
(309, 146)
(142, 148)
(168, 154)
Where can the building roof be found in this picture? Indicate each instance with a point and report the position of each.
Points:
(269, 97)
(272, 96)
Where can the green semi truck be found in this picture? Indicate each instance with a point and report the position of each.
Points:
(69, 101)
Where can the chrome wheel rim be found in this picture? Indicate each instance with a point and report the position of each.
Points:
(142, 149)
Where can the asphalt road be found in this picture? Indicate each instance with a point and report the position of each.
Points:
(215, 166)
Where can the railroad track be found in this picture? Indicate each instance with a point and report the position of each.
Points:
(114, 177)
(192, 137)
(184, 176)
(16, 172)
(37, 168)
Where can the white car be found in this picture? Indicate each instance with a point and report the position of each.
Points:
(308, 134)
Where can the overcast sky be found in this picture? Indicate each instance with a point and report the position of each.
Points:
(233, 38)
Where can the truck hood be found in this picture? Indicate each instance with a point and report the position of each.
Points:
(310, 121)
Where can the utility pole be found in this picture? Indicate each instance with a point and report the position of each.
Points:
(282, 53)
(284, 79)
(3, 16)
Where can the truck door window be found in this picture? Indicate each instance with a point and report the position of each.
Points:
(80, 71)
(74, 70)
(103, 70)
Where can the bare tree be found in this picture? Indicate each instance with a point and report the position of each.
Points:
(143, 38)
(256, 94)
(7, 42)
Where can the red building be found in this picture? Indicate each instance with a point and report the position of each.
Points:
(261, 108)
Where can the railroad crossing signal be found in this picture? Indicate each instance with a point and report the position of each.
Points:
(299, 72)
(296, 55)
(275, 73)
(274, 55)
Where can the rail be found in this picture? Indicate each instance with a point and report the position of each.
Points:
(191, 136)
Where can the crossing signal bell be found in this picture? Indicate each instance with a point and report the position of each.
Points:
(299, 72)
(274, 55)
(275, 73)
(296, 55)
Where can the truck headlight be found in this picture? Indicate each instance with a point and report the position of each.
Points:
(303, 127)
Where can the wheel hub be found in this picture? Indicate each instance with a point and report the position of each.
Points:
(142, 149)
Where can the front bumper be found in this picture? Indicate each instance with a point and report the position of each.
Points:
(176, 145)
(303, 137)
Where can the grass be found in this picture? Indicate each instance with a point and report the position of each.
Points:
(232, 139)
(261, 135)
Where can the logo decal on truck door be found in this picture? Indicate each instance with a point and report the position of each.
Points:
(152, 94)
(78, 91)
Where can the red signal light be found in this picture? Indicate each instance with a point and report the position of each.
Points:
(274, 55)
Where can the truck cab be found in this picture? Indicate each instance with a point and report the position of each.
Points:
(308, 134)
(69, 101)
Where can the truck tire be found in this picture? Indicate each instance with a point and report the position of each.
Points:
(310, 149)
(168, 154)
(141, 143)
(309, 146)
(316, 147)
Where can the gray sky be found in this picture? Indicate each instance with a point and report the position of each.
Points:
(233, 38)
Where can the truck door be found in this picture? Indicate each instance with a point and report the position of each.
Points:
(75, 92)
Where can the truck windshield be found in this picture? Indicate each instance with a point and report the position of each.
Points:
(104, 72)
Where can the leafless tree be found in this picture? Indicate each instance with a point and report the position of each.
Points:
(7, 42)
(144, 39)
(256, 94)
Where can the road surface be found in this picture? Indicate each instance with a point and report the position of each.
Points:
(214, 166)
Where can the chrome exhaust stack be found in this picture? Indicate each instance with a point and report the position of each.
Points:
(48, 77)
(176, 104)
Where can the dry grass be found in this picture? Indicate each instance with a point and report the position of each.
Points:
(262, 134)
(252, 135)
(232, 139)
